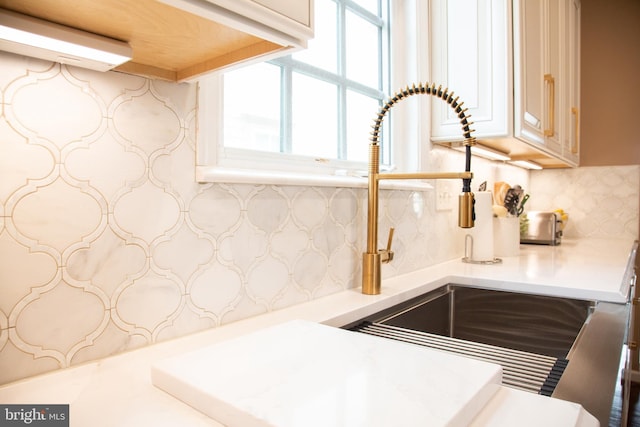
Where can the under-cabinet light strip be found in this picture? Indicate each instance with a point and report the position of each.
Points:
(492, 154)
(485, 152)
(24, 34)
(526, 164)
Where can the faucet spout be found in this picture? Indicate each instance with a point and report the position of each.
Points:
(373, 258)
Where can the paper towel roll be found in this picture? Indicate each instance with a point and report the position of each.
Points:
(482, 231)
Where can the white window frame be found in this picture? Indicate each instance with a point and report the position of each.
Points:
(410, 63)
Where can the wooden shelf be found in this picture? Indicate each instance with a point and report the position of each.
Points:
(167, 43)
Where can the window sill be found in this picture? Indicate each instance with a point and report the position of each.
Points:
(207, 174)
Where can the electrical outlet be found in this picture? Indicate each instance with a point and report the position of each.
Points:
(445, 192)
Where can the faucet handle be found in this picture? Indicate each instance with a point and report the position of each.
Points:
(386, 255)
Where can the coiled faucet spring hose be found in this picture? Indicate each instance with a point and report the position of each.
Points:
(446, 96)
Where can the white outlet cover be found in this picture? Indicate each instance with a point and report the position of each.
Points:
(445, 194)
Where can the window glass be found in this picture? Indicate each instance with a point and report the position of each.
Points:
(314, 116)
(316, 103)
(252, 108)
(321, 50)
(362, 51)
(370, 5)
(361, 111)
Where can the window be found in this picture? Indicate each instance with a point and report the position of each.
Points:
(311, 111)
(317, 103)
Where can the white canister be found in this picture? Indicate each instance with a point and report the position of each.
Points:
(506, 236)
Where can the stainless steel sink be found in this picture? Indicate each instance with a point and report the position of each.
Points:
(561, 347)
(533, 323)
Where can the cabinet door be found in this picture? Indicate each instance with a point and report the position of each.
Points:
(553, 77)
(571, 112)
(288, 24)
(294, 18)
(470, 51)
(537, 72)
(299, 11)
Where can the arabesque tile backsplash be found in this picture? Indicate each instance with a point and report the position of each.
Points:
(108, 244)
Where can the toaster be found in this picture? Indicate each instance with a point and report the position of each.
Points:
(542, 228)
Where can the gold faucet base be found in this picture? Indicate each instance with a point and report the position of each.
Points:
(371, 275)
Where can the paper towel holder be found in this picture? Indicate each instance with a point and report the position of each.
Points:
(468, 252)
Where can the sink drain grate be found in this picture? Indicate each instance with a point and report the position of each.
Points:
(531, 372)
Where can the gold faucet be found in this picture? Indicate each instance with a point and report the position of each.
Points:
(373, 258)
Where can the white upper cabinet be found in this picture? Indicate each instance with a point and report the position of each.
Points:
(180, 40)
(547, 75)
(263, 18)
(471, 55)
(516, 66)
(538, 78)
(299, 11)
(571, 112)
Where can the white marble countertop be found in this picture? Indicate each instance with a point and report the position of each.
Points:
(117, 391)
